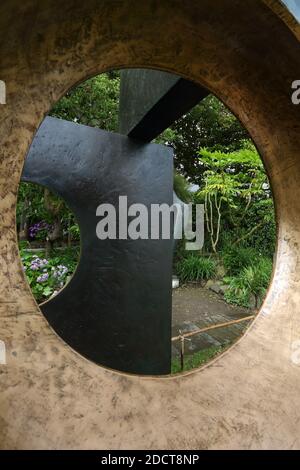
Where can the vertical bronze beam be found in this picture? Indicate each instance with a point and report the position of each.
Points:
(116, 310)
(151, 100)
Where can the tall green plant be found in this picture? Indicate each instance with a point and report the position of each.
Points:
(195, 268)
(252, 280)
(233, 184)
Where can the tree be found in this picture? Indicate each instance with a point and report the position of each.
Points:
(235, 192)
(94, 102)
(209, 124)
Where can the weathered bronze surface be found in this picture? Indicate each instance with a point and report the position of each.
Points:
(116, 310)
(150, 101)
(247, 53)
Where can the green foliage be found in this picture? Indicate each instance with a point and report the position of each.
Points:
(195, 268)
(94, 102)
(30, 201)
(74, 231)
(23, 245)
(38, 210)
(209, 124)
(197, 359)
(181, 187)
(261, 214)
(236, 258)
(47, 276)
(253, 280)
(236, 195)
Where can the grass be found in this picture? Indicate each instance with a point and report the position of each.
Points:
(197, 359)
(195, 268)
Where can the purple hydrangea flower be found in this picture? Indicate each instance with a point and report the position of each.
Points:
(37, 227)
(60, 271)
(34, 267)
(38, 263)
(43, 278)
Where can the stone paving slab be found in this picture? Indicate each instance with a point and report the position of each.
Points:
(196, 307)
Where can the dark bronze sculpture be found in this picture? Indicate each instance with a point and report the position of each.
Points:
(116, 310)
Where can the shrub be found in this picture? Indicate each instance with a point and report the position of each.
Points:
(235, 259)
(47, 276)
(252, 280)
(181, 187)
(195, 268)
(39, 230)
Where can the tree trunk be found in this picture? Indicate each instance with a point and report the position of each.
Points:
(23, 228)
(56, 231)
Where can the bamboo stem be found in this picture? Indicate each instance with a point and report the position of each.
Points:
(182, 353)
(211, 327)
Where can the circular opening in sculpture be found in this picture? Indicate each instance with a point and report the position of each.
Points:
(164, 304)
(49, 240)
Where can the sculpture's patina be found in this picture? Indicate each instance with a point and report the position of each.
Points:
(116, 310)
(150, 101)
